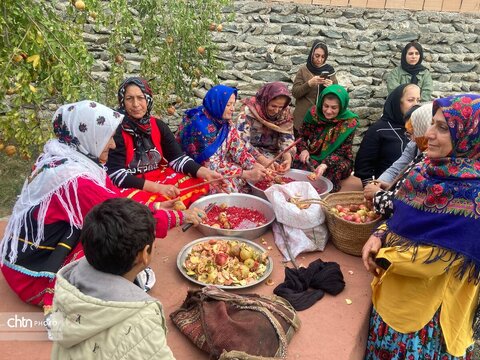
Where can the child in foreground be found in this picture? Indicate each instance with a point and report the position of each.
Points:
(99, 312)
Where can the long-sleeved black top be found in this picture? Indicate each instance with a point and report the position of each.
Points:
(127, 176)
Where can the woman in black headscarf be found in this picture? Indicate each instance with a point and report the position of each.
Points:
(385, 140)
(310, 81)
(411, 71)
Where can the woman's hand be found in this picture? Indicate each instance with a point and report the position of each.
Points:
(167, 205)
(169, 191)
(193, 216)
(327, 82)
(370, 190)
(320, 170)
(285, 165)
(316, 80)
(304, 156)
(210, 175)
(369, 253)
(257, 173)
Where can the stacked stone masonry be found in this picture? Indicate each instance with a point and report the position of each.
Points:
(269, 41)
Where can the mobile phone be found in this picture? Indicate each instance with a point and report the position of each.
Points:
(324, 75)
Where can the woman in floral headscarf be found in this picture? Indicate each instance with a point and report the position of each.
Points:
(43, 231)
(426, 258)
(327, 134)
(209, 137)
(147, 156)
(266, 125)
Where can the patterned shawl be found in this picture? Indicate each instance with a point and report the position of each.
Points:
(439, 202)
(83, 130)
(203, 130)
(281, 122)
(412, 69)
(331, 133)
(139, 129)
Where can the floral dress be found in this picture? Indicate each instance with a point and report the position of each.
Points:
(231, 158)
(339, 163)
(261, 140)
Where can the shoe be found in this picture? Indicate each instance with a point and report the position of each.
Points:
(146, 279)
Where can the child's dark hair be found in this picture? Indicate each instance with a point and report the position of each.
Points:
(114, 232)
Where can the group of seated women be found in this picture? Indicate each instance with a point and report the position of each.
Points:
(100, 153)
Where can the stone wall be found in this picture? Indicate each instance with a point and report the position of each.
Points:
(269, 41)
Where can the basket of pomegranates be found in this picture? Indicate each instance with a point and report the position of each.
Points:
(350, 220)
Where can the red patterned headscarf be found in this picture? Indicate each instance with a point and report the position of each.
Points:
(258, 104)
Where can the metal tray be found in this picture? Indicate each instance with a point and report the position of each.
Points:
(182, 255)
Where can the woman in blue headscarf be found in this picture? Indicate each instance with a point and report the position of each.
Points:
(208, 136)
(426, 257)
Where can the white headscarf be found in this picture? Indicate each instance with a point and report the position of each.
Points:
(83, 130)
(421, 119)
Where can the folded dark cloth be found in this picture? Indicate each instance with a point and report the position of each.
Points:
(303, 287)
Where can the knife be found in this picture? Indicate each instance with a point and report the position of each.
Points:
(207, 209)
(310, 166)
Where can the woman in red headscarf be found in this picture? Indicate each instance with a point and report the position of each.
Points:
(266, 125)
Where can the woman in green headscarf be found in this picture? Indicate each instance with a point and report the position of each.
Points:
(327, 134)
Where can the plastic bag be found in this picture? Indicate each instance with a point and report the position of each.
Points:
(303, 229)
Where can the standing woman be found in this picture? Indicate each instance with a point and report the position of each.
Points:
(385, 140)
(310, 81)
(266, 125)
(208, 135)
(327, 136)
(426, 258)
(411, 71)
(147, 157)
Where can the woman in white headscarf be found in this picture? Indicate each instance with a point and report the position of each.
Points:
(381, 192)
(68, 179)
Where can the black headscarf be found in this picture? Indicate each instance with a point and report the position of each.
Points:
(412, 69)
(140, 129)
(325, 67)
(391, 109)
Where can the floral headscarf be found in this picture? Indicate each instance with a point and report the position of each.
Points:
(331, 133)
(283, 121)
(439, 202)
(203, 130)
(83, 129)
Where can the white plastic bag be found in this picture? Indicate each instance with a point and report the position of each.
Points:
(303, 229)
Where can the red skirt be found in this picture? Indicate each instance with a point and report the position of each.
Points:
(33, 287)
(167, 176)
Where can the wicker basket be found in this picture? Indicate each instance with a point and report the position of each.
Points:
(347, 236)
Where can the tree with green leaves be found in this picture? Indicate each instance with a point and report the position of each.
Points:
(44, 60)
